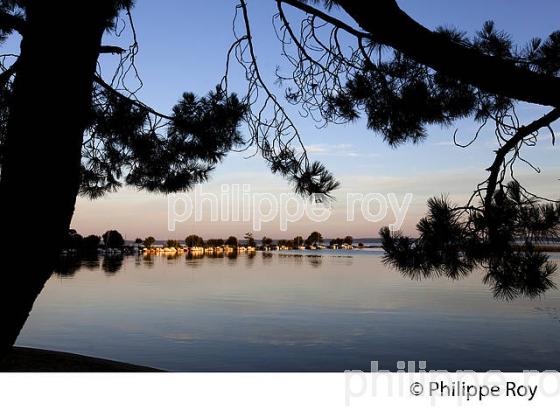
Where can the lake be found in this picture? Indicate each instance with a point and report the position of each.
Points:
(287, 311)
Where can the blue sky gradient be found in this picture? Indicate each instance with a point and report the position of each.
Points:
(183, 46)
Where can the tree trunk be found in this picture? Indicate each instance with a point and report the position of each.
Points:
(41, 170)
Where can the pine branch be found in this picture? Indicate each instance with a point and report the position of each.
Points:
(383, 22)
(98, 80)
(6, 74)
(10, 22)
(510, 145)
(326, 17)
(111, 50)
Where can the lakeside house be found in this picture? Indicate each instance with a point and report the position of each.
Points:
(199, 250)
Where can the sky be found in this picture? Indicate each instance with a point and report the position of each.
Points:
(183, 46)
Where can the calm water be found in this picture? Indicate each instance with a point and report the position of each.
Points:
(282, 312)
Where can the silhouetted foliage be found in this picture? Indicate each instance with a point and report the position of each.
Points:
(194, 240)
(77, 243)
(214, 242)
(500, 239)
(73, 240)
(348, 240)
(149, 241)
(199, 134)
(113, 239)
(250, 240)
(381, 65)
(231, 241)
(286, 242)
(314, 238)
(127, 142)
(91, 242)
(401, 81)
(172, 243)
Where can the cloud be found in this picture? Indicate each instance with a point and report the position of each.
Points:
(443, 144)
(337, 150)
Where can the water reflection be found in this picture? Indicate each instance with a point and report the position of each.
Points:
(69, 264)
(90, 262)
(507, 278)
(509, 275)
(145, 260)
(112, 264)
(287, 312)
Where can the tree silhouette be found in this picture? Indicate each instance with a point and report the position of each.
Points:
(107, 137)
(314, 238)
(73, 240)
(250, 240)
(499, 238)
(231, 241)
(91, 243)
(172, 243)
(379, 63)
(401, 77)
(194, 240)
(149, 241)
(215, 242)
(113, 239)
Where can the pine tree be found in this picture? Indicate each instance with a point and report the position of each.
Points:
(65, 130)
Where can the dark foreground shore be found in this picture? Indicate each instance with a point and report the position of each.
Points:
(24, 359)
